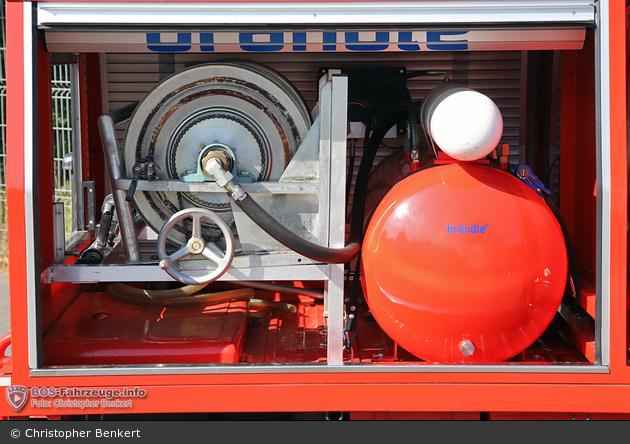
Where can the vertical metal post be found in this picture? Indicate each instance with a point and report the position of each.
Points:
(78, 216)
(324, 105)
(333, 117)
(603, 247)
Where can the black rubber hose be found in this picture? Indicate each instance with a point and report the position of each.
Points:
(338, 255)
(413, 74)
(411, 109)
(313, 251)
(289, 239)
(363, 175)
(574, 267)
(358, 207)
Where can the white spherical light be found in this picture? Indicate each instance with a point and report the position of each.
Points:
(466, 124)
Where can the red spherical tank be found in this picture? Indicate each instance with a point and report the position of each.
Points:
(463, 263)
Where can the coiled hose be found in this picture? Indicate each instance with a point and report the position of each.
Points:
(186, 296)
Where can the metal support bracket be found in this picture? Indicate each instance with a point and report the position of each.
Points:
(90, 187)
(59, 230)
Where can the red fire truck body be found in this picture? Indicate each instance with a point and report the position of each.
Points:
(386, 210)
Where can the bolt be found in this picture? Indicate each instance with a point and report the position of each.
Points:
(466, 347)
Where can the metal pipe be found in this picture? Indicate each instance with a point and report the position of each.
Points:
(106, 126)
(139, 223)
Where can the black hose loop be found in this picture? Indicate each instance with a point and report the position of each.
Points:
(289, 239)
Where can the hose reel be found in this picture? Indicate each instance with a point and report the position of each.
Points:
(248, 110)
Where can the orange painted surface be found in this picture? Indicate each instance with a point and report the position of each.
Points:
(463, 256)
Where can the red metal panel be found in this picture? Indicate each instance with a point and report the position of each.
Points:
(45, 172)
(378, 392)
(619, 192)
(279, 397)
(15, 185)
(97, 330)
(578, 150)
(90, 75)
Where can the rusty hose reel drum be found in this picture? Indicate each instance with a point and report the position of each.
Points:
(247, 110)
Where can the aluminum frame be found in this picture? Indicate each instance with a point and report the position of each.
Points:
(78, 204)
(604, 184)
(52, 14)
(167, 369)
(331, 150)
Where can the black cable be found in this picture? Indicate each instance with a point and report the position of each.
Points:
(350, 172)
(548, 181)
(365, 168)
(411, 75)
(574, 267)
(399, 147)
(353, 298)
(411, 114)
